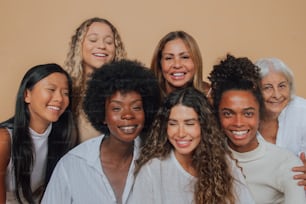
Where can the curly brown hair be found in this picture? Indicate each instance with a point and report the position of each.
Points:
(210, 158)
(235, 74)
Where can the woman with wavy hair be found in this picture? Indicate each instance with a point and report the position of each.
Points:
(95, 42)
(39, 133)
(185, 158)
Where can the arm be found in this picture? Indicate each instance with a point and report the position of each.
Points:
(293, 193)
(302, 171)
(5, 149)
(58, 190)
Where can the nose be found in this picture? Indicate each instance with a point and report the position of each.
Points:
(127, 115)
(276, 93)
(181, 131)
(238, 121)
(177, 63)
(58, 96)
(101, 44)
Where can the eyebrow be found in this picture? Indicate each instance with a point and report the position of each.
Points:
(186, 120)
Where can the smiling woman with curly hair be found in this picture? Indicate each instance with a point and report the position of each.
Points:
(185, 158)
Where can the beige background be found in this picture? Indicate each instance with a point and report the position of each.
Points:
(38, 31)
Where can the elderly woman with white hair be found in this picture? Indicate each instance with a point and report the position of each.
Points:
(284, 122)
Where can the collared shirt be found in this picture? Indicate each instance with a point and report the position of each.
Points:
(79, 178)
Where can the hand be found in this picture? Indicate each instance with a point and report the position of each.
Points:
(302, 170)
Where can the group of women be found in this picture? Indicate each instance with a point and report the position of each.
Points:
(158, 135)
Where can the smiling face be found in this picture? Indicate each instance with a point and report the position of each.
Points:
(276, 92)
(239, 118)
(177, 65)
(98, 46)
(47, 100)
(184, 131)
(124, 116)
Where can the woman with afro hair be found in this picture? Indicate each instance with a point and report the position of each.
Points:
(121, 101)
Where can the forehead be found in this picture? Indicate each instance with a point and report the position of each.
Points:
(238, 99)
(182, 112)
(99, 28)
(176, 44)
(125, 97)
(274, 77)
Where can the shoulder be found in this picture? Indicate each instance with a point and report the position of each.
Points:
(5, 148)
(281, 155)
(297, 104)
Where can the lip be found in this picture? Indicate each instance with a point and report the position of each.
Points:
(54, 108)
(178, 75)
(128, 129)
(239, 134)
(100, 54)
(183, 143)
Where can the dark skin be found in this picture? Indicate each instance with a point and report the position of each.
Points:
(116, 164)
(124, 117)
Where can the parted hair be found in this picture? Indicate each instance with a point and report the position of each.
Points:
(123, 76)
(195, 54)
(210, 158)
(74, 59)
(60, 140)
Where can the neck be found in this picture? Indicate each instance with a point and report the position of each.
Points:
(186, 162)
(38, 127)
(117, 150)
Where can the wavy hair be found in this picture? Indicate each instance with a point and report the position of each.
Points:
(210, 158)
(73, 62)
(60, 140)
(195, 54)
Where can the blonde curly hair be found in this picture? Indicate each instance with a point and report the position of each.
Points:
(74, 59)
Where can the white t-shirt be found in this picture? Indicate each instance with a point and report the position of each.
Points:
(40, 142)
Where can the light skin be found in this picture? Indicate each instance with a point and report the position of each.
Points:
(184, 133)
(177, 65)
(47, 100)
(239, 118)
(276, 93)
(98, 47)
(125, 119)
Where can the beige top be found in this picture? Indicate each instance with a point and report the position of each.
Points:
(86, 130)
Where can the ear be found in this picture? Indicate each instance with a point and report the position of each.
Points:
(27, 96)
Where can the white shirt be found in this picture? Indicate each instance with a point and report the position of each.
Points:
(291, 133)
(268, 174)
(79, 178)
(166, 182)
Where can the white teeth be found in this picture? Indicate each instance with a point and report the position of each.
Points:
(183, 142)
(239, 133)
(128, 129)
(178, 74)
(54, 108)
(100, 55)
